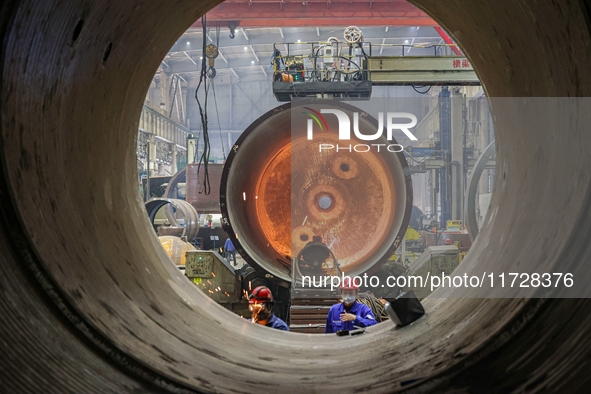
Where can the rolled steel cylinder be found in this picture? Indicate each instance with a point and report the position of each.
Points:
(279, 190)
(190, 218)
(91, 304)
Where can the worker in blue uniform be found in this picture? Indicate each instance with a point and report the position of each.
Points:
(349, 313)
(230, 250)
(260, 304)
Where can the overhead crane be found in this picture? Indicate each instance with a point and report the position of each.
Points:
(349, 69)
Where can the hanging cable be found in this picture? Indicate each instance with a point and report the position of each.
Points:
(423, 92)
(204, 159)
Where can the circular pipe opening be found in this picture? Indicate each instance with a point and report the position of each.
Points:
(71, 95)
(325, 201)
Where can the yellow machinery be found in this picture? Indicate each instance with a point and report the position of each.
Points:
(412, 238)
(454, 225)
(175, 248)
(412, 234)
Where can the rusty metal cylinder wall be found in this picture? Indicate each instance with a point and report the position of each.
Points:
(274, 177)
(242, 176)
(87, 304)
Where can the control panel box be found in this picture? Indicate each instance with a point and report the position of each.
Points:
(211, 273)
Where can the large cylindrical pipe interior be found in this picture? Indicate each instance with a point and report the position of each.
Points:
(89, 306)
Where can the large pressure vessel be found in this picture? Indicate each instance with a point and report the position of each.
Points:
(281, 190)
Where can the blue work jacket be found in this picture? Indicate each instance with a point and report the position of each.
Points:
(229, 246)
(365, 317)
(275, 322)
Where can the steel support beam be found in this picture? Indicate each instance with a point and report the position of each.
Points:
(315, 14)
(159, 125)
(457, 154)
(445, 171)
(448, 40)
(421, 70)
(329, 21)
(254, 53)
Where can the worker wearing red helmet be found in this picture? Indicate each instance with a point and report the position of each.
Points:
(261, 308)
(349, 313)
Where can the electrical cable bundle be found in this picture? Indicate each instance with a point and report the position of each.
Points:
(374, 304)
(204, 159)
(421, 92)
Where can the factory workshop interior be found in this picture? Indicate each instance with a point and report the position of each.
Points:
(172, 169)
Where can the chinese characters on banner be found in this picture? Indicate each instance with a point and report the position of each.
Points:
(464, 63)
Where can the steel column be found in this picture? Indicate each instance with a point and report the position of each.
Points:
(457, 154)
(445, 173)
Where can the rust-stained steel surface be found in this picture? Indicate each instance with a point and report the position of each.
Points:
(196, 192)
(87, 304)
(279, 190)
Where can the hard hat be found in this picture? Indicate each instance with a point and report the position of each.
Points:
(448, 241)
(260, 294)
(348, 284)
